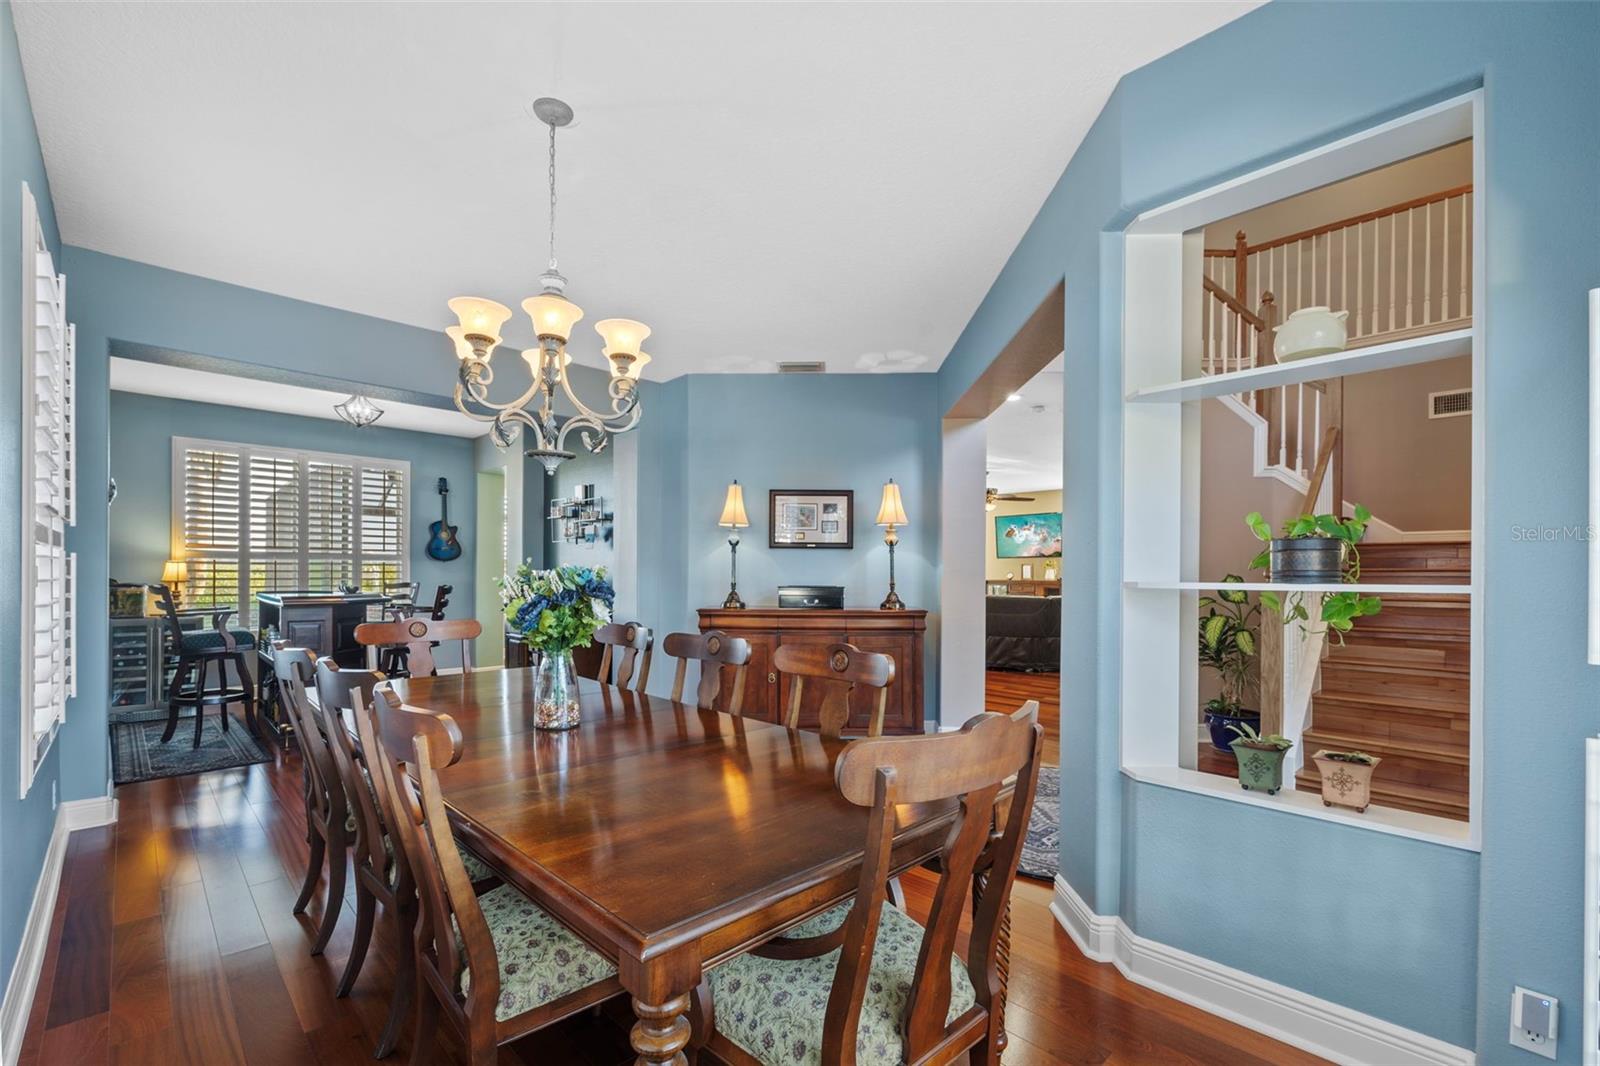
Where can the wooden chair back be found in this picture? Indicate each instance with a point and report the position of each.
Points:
(338, 691)
(839, 668)
(713, 650)
(628, 645)
(410, 747)
(418, 636)
(974, 766)
(402, 596)
(168, 606)
(292, 670)
(441, 600)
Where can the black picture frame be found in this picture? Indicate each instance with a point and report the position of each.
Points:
(836, 507)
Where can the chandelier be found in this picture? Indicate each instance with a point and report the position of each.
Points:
(477, 334)
(359, 411)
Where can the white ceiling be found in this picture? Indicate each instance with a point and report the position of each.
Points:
(757, 181)
(1024, 436)
(203, 386)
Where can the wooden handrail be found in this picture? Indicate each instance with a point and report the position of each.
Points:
(1234, 305)
(1353, 220)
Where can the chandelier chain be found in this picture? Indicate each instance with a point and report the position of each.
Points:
(552, 196)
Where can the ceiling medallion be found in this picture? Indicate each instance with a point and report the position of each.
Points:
(477, 334)
(359, 411)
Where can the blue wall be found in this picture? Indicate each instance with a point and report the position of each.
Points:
(1454, 931)
(25, 824)
(142, 428)
(565, 483)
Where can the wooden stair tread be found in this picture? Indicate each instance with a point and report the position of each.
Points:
(1406, 795)
(1409, 749)
(1400, 701)
(1391, 668)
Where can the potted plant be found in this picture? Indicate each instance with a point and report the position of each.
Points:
(1314, 550)
(1260, 759)
(1346, 778)
(1228, 646)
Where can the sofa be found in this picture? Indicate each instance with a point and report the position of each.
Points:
(1023, 633)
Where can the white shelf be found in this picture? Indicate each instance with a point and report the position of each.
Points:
(1355, 361)
(1269, 586)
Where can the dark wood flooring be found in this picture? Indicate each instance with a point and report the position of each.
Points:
(1006, 690)
(173, 944)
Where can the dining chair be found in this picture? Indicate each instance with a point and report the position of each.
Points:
(198, 649)
(713, 650)
(393, 661)
(627, 645)
(418, 637)
(329, 824)
(884, 988)
(402, 595)
(381, 876)
(839, 668)
(497, 965)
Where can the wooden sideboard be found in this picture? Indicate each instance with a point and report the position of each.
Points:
(898, 634)
(1024, 586)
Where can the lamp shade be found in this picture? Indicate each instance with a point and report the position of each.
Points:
(480, 317)
(459, 339)
(733, 515)
(553, 315)
(622, 336)
(892, 512)
(175, 572)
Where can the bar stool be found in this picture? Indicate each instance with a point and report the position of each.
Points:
(197, 649)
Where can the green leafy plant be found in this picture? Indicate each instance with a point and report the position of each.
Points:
(1228, 644)
(1347, 756)
(1339, 610)
(1251, 739)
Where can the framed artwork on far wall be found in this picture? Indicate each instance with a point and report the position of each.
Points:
(1027, 536)
(810, 518)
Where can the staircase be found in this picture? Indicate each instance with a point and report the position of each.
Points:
(1398, 687)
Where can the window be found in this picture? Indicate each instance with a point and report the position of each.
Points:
(49, 629)
(254, 519)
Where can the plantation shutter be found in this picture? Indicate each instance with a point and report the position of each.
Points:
(49, 592)
(258, 519)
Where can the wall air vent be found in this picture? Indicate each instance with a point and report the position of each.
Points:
(1450, 404)
(802, 368)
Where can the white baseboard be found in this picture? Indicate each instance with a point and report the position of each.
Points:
(1317, 1025)
(24, 979)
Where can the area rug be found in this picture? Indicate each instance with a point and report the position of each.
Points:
(139, 755)
(1041, 848)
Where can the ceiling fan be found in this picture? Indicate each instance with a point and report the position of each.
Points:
(992, 497)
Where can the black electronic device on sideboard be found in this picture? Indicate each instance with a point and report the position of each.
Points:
(815, 597)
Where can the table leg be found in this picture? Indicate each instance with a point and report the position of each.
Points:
(662, 1031)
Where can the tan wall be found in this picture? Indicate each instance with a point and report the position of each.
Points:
(995, 568)
(1445, 168)
(1413, 472)
(1229, 491)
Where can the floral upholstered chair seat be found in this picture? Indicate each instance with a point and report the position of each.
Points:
(774, 1008)
(541, 960)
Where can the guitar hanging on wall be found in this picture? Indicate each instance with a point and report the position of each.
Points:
(442, 542)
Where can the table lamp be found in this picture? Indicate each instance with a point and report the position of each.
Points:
(173, 575)
(734, 518)
(891, 513)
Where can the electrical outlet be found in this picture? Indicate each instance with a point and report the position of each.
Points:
(1533, 1022)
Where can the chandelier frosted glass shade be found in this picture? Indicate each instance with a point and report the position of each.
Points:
(480, 318)
(553, 315)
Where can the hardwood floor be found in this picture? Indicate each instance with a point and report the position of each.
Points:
(1006, 690)
(173, 943)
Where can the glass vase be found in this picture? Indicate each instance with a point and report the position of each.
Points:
(555, 692)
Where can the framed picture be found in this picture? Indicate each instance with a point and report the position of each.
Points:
(810, 518)
(1027, 536)
(1027, 571)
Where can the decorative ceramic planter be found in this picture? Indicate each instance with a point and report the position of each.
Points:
(1345, 783)
(1307, 560)
(1222, 737)
(1260, 769)
(1309, 332)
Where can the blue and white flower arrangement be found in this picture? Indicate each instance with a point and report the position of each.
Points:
(557, 610)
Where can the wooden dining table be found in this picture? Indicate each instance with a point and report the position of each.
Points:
(668, 837)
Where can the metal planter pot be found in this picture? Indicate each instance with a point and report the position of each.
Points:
(1260, 769)
(1307, 560)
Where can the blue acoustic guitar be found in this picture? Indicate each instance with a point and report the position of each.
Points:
(442, 542)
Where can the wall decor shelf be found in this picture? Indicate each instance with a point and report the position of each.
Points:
(1408, 352)
(583, 517)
